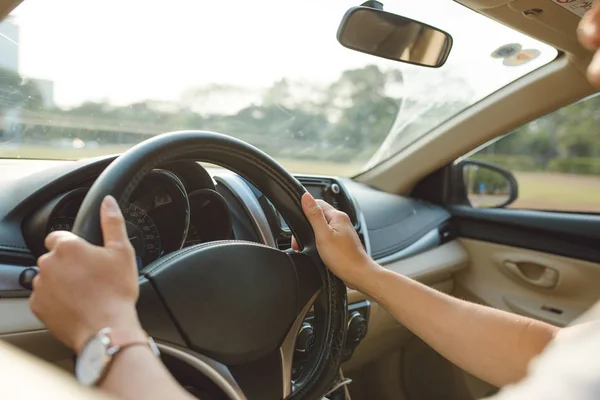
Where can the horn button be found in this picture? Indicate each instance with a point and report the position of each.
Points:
(233, 302)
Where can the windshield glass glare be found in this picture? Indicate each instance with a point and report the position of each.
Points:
(86, 78)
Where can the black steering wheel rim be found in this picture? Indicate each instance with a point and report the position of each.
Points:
(121, 177)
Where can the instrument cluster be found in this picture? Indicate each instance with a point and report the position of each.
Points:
(160, 217)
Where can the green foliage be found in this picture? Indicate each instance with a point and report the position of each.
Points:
(576, 165)
(18, 92)
(567, 141)
(510, 162)
(365, 113)
(343, 122)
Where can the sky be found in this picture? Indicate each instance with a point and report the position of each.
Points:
(123, 51)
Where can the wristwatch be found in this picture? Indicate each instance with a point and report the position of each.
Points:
(96, 355)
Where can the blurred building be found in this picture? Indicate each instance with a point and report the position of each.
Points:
(46, 89)
(9, 60)
(9, 45)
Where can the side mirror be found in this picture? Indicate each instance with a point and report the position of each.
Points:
(483, 185)
(383, 34)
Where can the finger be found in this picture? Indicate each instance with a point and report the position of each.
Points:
(44, 260)
(589, 29)
(114, 231)
(314, 213)
(593, 71)
(328, 210)
(54, 237)
(35, 283)
(34, 302)
(295, 244)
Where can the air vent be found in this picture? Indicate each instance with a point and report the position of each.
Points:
(284, 243)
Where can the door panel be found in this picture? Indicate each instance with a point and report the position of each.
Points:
(488, 280)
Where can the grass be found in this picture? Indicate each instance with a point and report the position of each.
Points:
(558, 192)
(57, 153)
(54, 153)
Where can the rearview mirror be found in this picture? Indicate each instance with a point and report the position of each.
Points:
(383, 34)
(481, 184)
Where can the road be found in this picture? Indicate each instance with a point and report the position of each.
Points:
(140, 130)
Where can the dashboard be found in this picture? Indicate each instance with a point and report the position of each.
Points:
(184, 204)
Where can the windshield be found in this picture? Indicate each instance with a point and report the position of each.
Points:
(87, 78)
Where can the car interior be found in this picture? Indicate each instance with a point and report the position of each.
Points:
(422, 212)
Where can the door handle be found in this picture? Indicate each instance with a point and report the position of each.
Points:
(533, 273)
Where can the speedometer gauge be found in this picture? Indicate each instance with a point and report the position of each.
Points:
(156, 214)
(141, 230)
(61, 224)
(143, 234)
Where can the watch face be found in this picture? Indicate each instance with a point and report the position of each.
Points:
(92, 360)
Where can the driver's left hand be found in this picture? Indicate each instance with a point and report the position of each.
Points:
(82, 288)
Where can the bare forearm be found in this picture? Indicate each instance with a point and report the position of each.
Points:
(493, 345)
(137, 373)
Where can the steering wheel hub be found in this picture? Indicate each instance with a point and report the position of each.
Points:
(234, 302)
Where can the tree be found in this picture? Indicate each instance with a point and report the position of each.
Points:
(359, 104)
(566, 140)
(17, 92)
(278, 94)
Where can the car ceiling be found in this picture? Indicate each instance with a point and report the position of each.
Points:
(554, 25)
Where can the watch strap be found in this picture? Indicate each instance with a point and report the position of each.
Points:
(120, 340)
(149, 342)
(115, 342)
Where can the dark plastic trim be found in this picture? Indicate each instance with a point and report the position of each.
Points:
(564, 234)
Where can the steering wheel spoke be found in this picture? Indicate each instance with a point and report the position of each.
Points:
(155, 317)
(217, 373)
(309, 278)
(287, 348)
(271, 376)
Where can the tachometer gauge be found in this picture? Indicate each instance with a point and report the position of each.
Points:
(193, 237)
(210, 218)
(143, 234)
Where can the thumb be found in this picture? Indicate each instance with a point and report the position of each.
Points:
(314, 213)
(114, 231)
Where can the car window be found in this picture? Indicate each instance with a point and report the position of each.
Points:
(555, 160)
(81, 79)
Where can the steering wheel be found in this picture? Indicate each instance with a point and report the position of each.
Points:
(232, 309)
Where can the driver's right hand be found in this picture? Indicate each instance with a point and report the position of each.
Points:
(589, 36)
(338, 243)
(82, 288)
